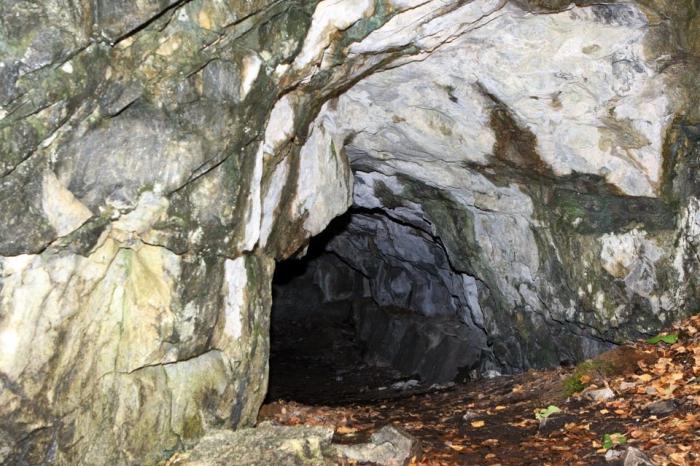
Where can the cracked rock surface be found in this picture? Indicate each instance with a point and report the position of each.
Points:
(158, 156)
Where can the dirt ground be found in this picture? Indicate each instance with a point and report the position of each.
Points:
(653, 405)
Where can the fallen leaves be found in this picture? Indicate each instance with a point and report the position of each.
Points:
(573, 427)
(499, 427)
(521, 424)
(613, 440)
(344, 430)
(490, 442)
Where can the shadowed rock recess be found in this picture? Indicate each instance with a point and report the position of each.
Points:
(527, 169)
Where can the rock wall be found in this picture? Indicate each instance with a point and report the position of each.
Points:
(550, 154)
(159, 156)
(138, 202)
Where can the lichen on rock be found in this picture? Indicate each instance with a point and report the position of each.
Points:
(158, 156)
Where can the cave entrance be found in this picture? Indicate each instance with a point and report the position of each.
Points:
(371, 309)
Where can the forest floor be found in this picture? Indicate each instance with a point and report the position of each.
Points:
(643, 394)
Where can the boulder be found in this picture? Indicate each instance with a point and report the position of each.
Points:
(389, 446)
(266, 444)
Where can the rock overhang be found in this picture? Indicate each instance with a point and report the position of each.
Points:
(576, 210)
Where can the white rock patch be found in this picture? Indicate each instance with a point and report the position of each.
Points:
(280, 125)
(272, 200)
(330, 16)
(324, 186)
(63, 210)
(150, 208)
(251, 69)
(579, 81)
(254, 213)
(235, 282)
(620, 254)
(632, 257)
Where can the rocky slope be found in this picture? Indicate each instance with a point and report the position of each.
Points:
(158, 156)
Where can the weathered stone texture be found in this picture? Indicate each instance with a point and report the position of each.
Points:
(157, 156)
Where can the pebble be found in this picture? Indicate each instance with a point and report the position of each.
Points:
(613, 455)
(602, 394)
(662, 407)
(636, 457)
(408, 384)
(627, 385)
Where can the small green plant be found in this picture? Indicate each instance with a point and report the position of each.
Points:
(573, 385)
(584, 373)
(544, 413)
(669, 339)
(613, 440)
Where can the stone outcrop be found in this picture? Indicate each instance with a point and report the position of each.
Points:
(296, 446)
(266, 444)
(159, 156)
(389, 446)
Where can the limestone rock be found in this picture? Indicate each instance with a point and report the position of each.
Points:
(613, 455)
(265, 444)
(531, 163)
(636, 457)
(389, 446)
(157, 157)
(599, 395)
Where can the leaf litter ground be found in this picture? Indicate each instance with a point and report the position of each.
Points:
(654, 405)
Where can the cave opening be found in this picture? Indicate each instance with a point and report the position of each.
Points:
(370, 310)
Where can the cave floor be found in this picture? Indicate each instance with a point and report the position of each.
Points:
(654, 406)
(317, 360)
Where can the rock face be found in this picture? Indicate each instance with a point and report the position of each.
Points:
(266, 444)
(436, 349)
(536, 160)
(295, 446)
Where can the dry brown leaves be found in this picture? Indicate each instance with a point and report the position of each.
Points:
(502, 430)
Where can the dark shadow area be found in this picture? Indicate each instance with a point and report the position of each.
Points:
(316, 355)
(337, 338)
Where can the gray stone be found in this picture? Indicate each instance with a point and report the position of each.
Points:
(221, 81)
(137, 150)
(118, 18)
(389, 446)
(264, 445)
(661, 407)
(405, 385)
(614, 455)
(636, 457)
(599, 395)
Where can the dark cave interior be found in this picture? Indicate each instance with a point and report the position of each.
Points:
(352, 320)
